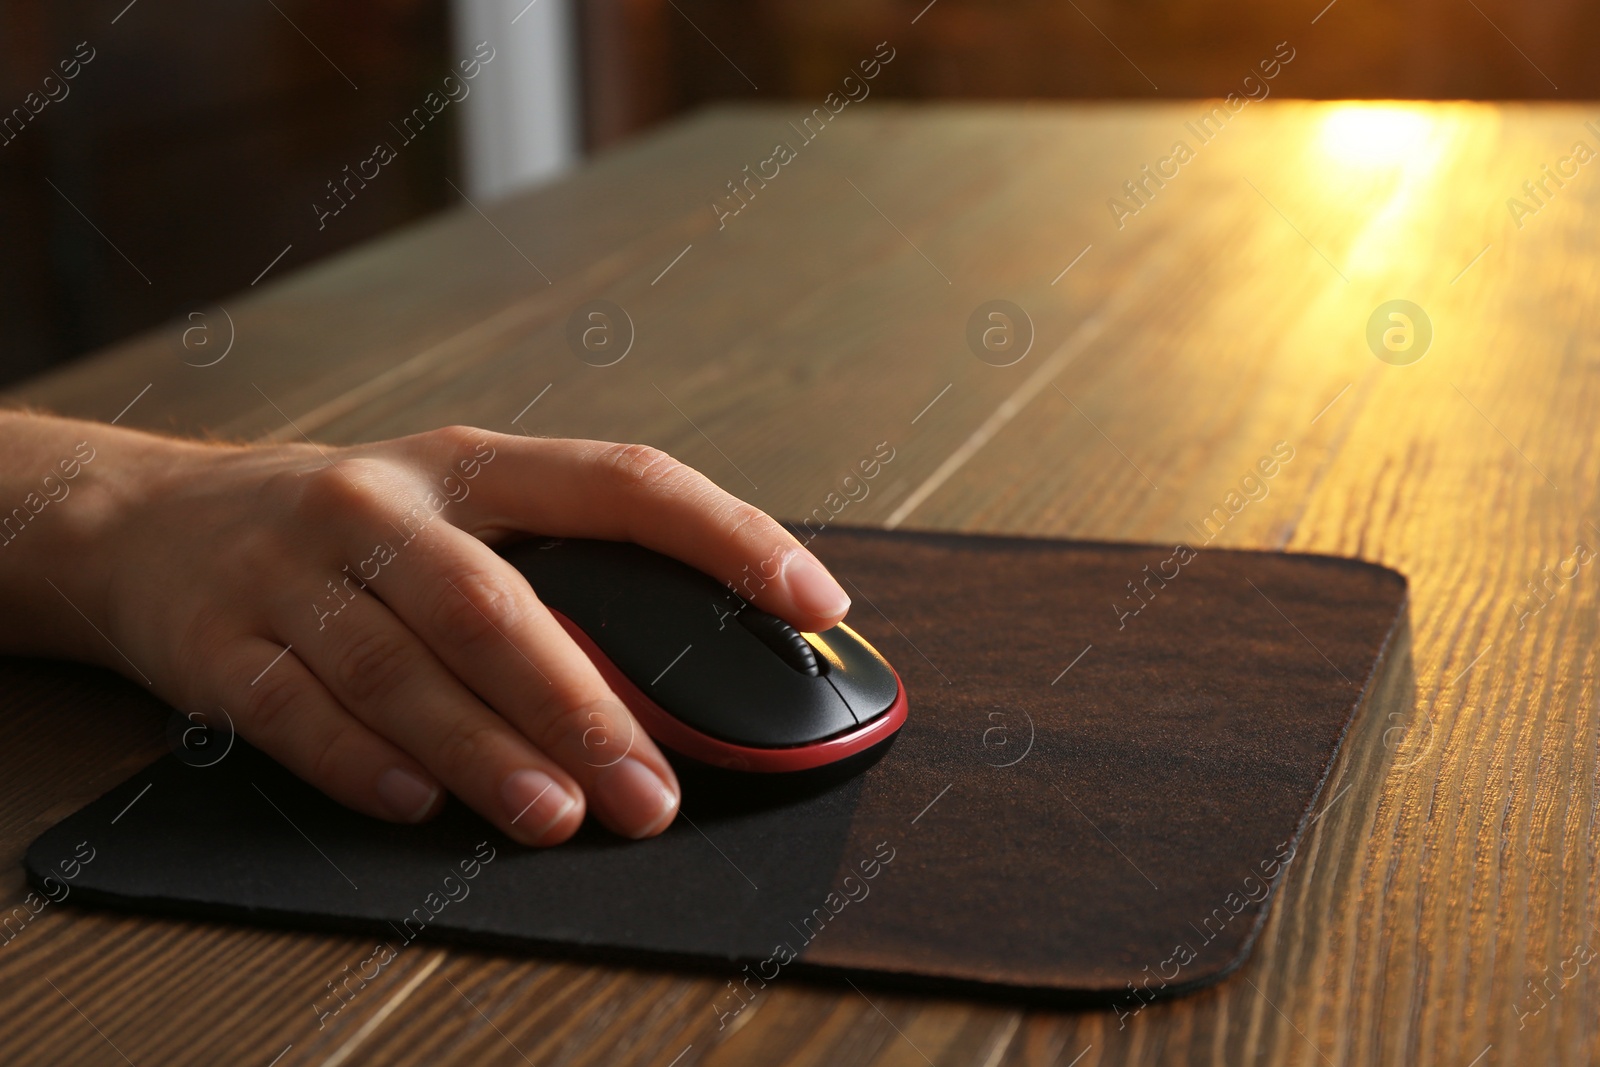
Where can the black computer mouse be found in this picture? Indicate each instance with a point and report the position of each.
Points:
(710, 677)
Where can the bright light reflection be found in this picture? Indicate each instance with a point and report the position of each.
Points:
(1375, 135)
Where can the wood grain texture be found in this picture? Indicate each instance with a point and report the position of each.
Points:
(1454, 868)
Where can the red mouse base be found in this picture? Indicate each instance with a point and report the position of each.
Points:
(674, 734)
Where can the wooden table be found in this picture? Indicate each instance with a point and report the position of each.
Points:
(1455, 863)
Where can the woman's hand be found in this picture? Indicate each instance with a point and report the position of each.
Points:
(343, 605)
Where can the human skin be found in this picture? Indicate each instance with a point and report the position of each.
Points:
(428, 666)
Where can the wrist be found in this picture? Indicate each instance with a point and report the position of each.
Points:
(70, 487)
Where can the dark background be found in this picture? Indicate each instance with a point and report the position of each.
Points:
(202, 131)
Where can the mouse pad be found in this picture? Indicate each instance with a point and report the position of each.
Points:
(1110, 755)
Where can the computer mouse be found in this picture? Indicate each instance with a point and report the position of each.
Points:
(712, 678)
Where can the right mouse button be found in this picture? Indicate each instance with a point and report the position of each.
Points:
(862, 677)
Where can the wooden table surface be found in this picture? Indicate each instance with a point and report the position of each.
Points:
(1442, 910)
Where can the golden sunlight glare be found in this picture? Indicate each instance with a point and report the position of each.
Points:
(1374, 135)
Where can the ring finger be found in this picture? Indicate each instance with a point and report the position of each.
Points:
(387, 678)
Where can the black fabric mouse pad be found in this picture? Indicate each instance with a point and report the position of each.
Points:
(1097, 787)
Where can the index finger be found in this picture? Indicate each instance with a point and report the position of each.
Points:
(618, 492)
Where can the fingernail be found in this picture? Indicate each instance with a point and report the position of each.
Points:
(812, 587)
(408, 797)
(535, 803)
(635, 798)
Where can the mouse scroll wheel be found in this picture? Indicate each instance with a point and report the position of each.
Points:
(782, 638)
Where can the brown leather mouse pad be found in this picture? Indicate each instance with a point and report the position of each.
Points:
(1097, 787)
